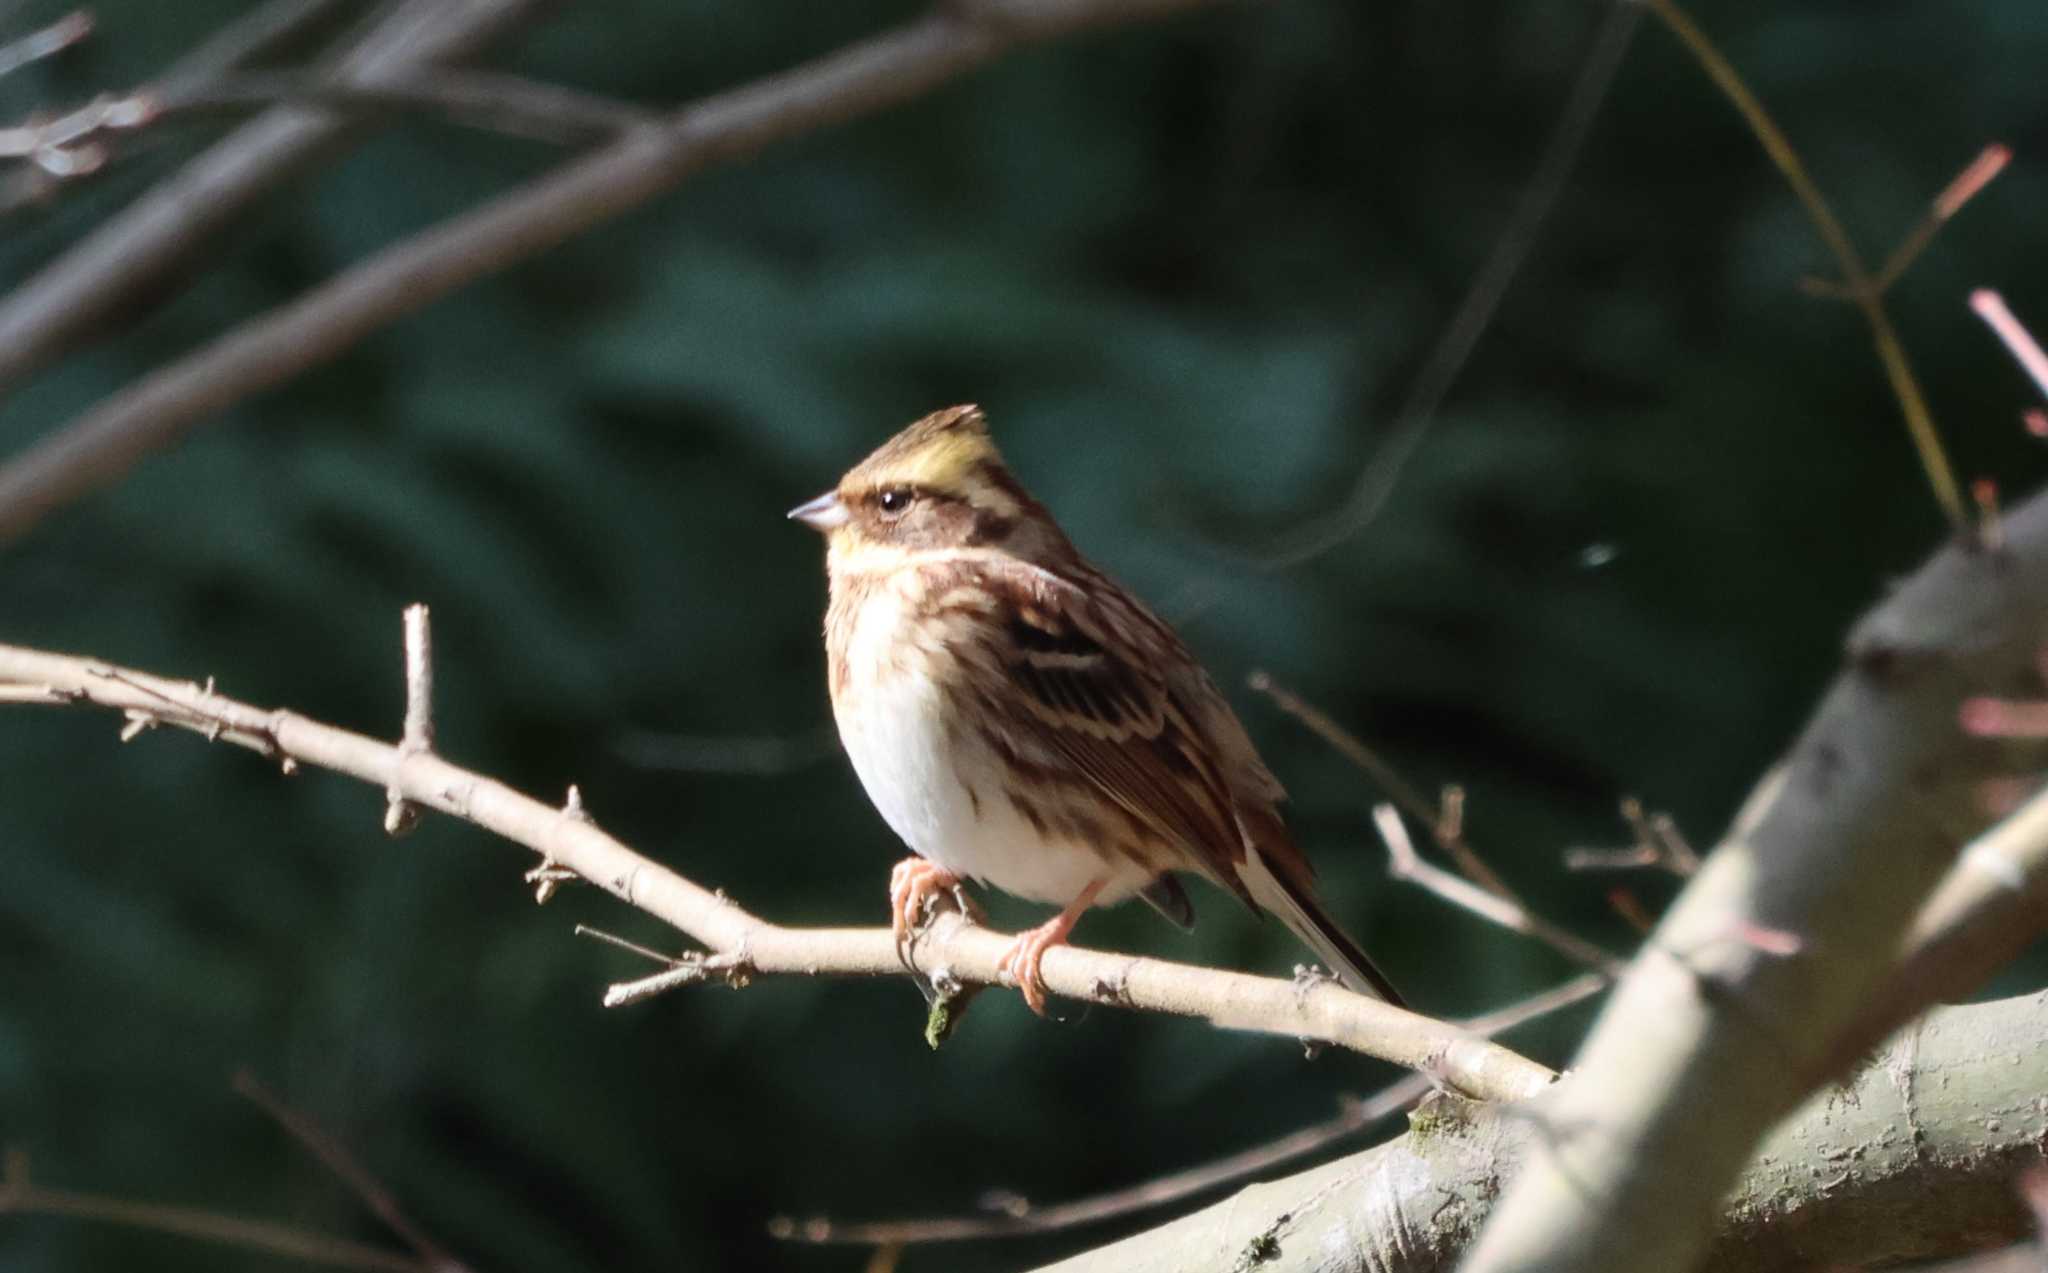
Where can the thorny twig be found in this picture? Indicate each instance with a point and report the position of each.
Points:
(1404, 863)
(1659, 843)
(402, 815)
(966, 953)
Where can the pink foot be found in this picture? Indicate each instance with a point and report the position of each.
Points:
(1021, 962)
(914, 882)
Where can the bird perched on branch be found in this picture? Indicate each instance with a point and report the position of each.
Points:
(1021, 720)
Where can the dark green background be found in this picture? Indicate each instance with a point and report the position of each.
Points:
(1189, 269)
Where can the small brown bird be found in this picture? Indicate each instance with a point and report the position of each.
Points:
(1021, 720)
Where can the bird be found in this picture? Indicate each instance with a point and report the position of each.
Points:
(1020, 720)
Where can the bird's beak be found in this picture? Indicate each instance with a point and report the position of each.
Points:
(822, 514)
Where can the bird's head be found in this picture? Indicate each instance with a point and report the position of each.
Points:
(938, 484)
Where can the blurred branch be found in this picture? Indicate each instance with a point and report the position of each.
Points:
(1863, 289)
(1988, 164)
(1018, 1218)
(504, 104)
(2018, 341)
(336, 1158)
(1479, 305)
(1868, 1174)
(863, 78)
(1659, 843)
(948, 952)
(21, 1196)
(262, 32)
(47, 42)
(1775, 948)
(54, 311)
(1992, 906)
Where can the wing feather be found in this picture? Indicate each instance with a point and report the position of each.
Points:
(1088, 682)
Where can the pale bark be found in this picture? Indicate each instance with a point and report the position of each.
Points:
(1913, 1158)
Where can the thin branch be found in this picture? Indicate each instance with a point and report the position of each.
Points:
(1659, 843)
(859, 80)
(1447, 832)
(1492, 899)
(323, 1145)
(47, 42)
(20, 1196)
(55, 310)
(948, 950)
(261, 33)
(2019, 342)
(400, 814)
(1856, 276)
(1987, 165)
(507, 104)
(1019, 1218)
(1404, 863)
(1481, 302)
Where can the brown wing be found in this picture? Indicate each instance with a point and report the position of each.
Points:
(1093, 680)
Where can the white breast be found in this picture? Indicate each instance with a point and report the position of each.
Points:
(944, 791)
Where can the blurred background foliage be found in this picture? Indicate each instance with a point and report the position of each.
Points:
(1190, 269)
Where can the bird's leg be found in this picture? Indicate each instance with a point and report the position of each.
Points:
(914, 882)
(1022, 959)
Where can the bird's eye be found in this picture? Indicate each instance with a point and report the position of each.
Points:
(894, 500)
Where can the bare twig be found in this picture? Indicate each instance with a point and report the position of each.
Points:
(402, 815)
(54, 311)
(20, 1196)
(859, 80)
(1862, 288)
(948, 949)
(691, 970)
(507, 104)
(49, 41)
(1988, 164)
(2025, 350)
(1405, 864)
(1659, 843)
(262, 32)
(1019, 1217)
(1448, 832)
(323, 1145)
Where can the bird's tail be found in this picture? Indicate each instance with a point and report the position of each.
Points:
(1294, 901)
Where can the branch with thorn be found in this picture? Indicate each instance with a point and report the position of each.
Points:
(948, 952)
(1404, 863)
